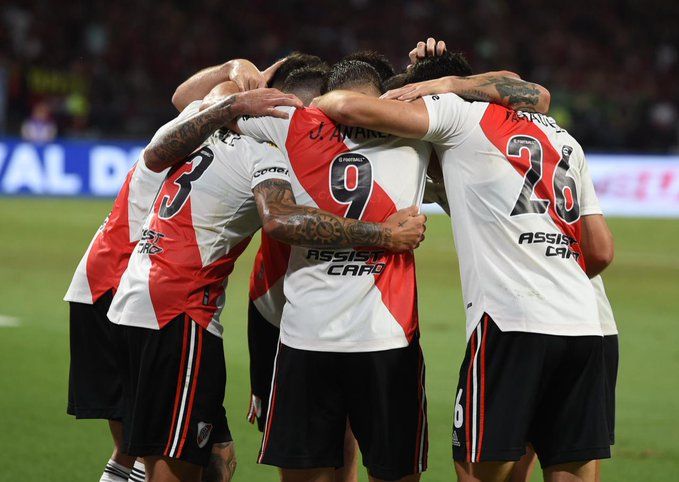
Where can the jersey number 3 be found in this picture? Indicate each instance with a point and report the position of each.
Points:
(528, 201)
(201, 160)
(351, 182)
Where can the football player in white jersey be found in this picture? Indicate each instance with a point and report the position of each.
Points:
(169, 299)
(347, 311)
(300, 74)
(530, 233)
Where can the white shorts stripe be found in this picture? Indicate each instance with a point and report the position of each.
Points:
(185, 392)
(475, 390)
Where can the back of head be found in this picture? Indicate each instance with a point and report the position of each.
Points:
(354, 75)
(306, 83)
(430, 68)
(395, 82)
(294, 61)
(378, 61)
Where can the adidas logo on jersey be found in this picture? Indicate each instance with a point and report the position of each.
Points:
(204, 431)
(456, 441)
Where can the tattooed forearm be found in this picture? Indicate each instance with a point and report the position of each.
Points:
(514, 93)
(304, 226)
(475, 94)
(178, 141)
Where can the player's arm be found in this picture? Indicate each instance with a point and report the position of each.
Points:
(174, 144)
(403, 119)
(596, 243)
(504, 88)
(285, 221)
(242, 72)
(596, 240)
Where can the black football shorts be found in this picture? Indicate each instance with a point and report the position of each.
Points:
(94, 386)
(517, 388)
(381, 393)
(173, 383)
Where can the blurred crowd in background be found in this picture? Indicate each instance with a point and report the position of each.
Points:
(108, 68)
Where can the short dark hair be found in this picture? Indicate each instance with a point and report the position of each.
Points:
(295, 60)
(379, 62)
(349, 73)
(306, 83)
(395, 82)
(430, 68)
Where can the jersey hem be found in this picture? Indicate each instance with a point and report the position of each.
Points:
(580, 329)
(382, 344)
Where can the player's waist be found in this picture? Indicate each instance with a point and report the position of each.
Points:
(348, 345)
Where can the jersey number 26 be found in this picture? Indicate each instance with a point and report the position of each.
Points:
(529, 201)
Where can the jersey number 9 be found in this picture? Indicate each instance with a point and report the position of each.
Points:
(351, 182)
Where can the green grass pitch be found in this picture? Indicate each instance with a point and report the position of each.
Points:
(42, 241)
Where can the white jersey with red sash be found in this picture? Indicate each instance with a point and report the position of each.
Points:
(201, 221)
(347, 300)
(518, 186)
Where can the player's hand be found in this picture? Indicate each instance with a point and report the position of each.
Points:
(430, 48)
(263, 102)
(271, 70)
(407, 229)
(419, 89)
(246, 75)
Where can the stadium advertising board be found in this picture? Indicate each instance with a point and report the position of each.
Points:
(627, 185)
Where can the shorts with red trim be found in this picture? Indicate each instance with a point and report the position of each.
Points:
(263, 344)
(517, 388)
(95, 390)
(173, 383)
(381, 394)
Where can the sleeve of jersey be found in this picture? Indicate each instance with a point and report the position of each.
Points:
(589, 203)
(267, 129)
(271, 165)
(447, 115)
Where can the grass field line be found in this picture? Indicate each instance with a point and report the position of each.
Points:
(9, 321)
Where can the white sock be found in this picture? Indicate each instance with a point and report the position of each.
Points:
(114, 472)
(138, 472)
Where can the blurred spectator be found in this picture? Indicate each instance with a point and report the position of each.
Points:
(109, 68)
(39, 127)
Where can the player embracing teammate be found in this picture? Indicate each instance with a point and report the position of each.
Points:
(338, 189)
(530, 234)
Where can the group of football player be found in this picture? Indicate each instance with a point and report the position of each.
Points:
(333, 164)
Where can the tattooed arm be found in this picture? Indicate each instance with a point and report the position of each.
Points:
(502, 88)
(284, 220)
(411, 119)
(175, 141)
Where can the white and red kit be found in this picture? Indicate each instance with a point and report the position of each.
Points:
(266, 280)
(518, 186)
(106, 258)
(201, 221)
(347, 300)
